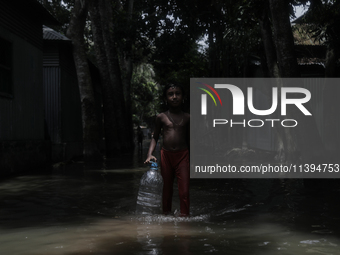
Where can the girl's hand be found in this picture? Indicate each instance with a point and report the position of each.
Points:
(150, 158)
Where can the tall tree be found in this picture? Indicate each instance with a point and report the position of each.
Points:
(126, 53)
(268, 43)
(303, 142)
(283, 38)
(117, 135)
(90, 123)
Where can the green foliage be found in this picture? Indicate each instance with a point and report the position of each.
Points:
(145, 100)
(242, 38)
(175, 31)
(323, 21)
(177, 60)
(165, 33)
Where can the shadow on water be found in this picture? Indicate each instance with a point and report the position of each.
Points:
(89, 208)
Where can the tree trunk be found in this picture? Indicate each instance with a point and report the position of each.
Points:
(105, 10)
(272, 66)
(283, 38)
(127, 69)
(304, 141)
(117, 132)
(212, 48)
(90, 123)
(288, 67)
(269, 47)
(110, 121)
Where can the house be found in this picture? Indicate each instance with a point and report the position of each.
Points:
(61, 96)
(22, 141)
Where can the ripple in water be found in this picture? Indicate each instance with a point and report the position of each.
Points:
(169, 218)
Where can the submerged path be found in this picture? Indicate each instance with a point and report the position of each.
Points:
(89, 209)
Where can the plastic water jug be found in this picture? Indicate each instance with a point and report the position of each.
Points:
(149, 199)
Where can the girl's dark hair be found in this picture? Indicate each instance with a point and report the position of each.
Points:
(171, 85)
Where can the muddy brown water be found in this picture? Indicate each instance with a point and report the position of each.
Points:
(90, 209)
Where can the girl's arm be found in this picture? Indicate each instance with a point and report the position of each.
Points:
(154, 139)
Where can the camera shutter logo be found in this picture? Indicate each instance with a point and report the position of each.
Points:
(204, 97)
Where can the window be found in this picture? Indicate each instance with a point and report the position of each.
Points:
(5, 67)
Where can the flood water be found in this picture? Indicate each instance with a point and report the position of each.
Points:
(90, 209)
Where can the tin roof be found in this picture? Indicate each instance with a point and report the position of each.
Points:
(50, 34)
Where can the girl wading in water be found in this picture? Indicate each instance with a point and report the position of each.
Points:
(175, 151)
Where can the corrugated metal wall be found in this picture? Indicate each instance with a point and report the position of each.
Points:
(51, 55)
(22, 117)
(62, 99)
(51, 82)
(21, 22)
(22, 112)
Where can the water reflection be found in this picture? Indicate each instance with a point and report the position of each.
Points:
(83, 209)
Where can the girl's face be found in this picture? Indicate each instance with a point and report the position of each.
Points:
(174, 97)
